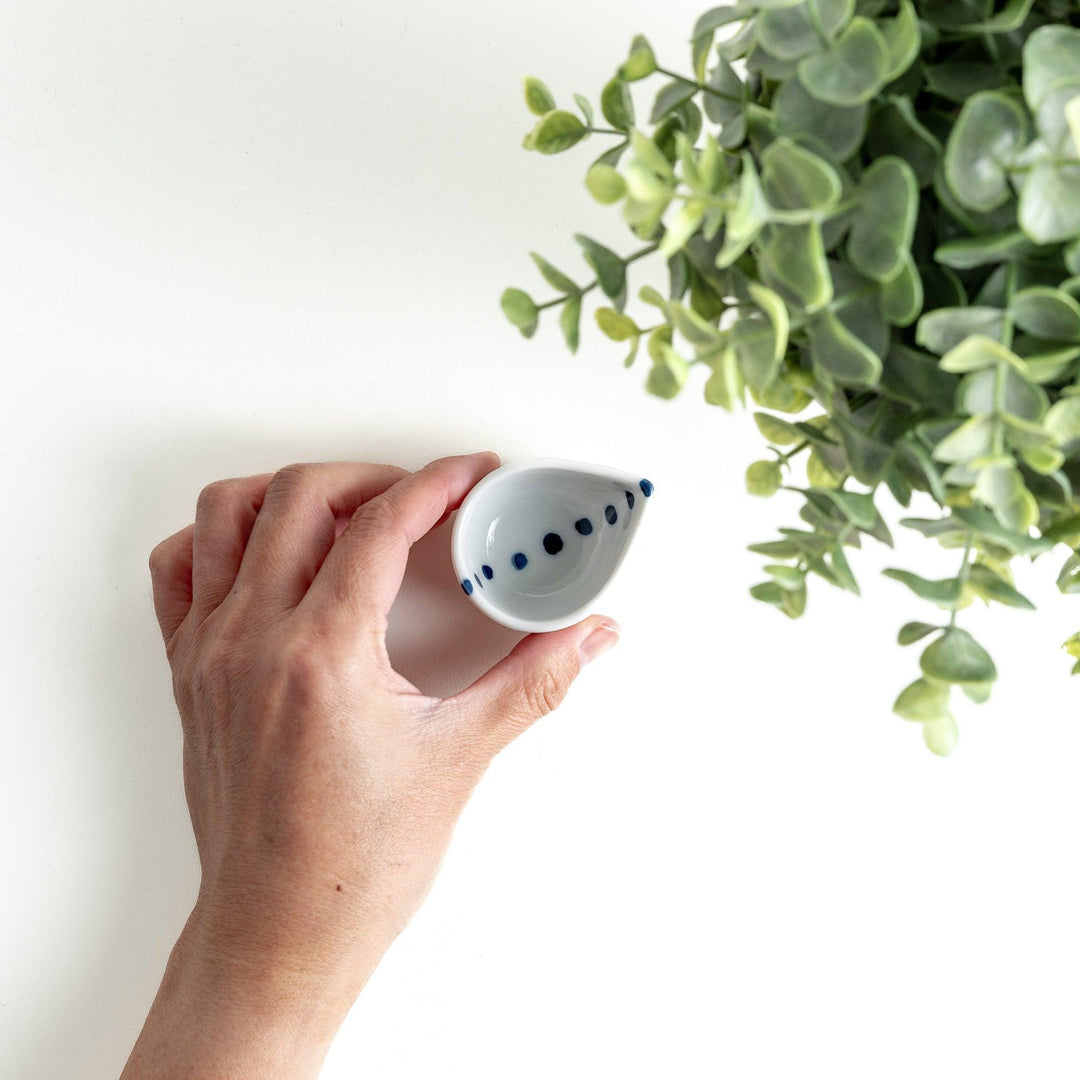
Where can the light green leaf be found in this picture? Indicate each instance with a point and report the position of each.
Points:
(856, 508)
(605, 184)
(902, 297)
(1046, 313)
(585, 107)
(617, 105)
(978, 394)
(537, 96)
(941, 735)
(558, 131)
(972, 251)
(990, 130)
(1002, 489)
(670, 97)
(787, 577)
(943, 329)
(747, 219)
(796, 179)
(923, 700)
(683, 226)
(853, 70)
(1062, 420)
(946, 593)
(1051, 53)
(1049, 210)
(753, 338)
(837, 351)
(691, 325)
(992, 587)
(884, 221)
(640, 63)
(977, 352)
(667, 377)
(777, 313)
(764, 478)
(615, 326)
(725, 385)
(956, 657)
(555, 278)
(794, 256)
(519, 308)
(650, 155)
(977, 692)
(777, 431)
(972, 439)
(793, 32)
(915, 631)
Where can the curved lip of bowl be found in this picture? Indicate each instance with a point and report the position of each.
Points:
(498, 475)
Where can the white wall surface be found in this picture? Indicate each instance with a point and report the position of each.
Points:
(236, 235)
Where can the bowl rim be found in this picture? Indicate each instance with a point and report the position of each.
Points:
(500, 474)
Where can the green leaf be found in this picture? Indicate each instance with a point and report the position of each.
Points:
(615, 326)
(617, 105)
(794, 257)
(775, 549)
(946, 593)
(691, 325)
(884, 222)
(853, 507)
(777, 313)
(992, 587)
(1002, 489)
(984, 522)
(903, 38)
(610, 268)
(519, 308)
(902, 297)
(555, 278)
(777, 431)
(941, 735)
(944, 328)
(1062, 421)
(667, 377)
(640, 63)
(787, 577)
(988, 133)
(956, 657)
(853, 70)
(726, 103)
(896, 130)
(977, 352)
(1046, 313)
(923, 700)
(763, 478)
(1049, 210)
(1018, 397)
(973, 251)
(837, 351)
(558, 131)
(798, 113)
(971, 440)
(605, 184)
(791, 33)
(915, 631)
(796, 179)
(670, 97)
(747, 219)
(977, 692)
(570, 321)
(537, 96)
(585, 107)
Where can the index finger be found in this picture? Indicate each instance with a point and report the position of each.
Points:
(364, 568)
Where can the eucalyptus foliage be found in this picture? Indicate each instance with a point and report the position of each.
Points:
(870, 215)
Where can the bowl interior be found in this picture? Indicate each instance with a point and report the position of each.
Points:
(540, 544)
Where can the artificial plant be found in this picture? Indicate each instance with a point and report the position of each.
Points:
(870, 215)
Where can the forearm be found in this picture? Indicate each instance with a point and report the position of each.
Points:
(233, 1019)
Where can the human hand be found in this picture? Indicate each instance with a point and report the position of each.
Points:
(323, 786)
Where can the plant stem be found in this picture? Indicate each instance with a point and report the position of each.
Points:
(798, 448)
(641, 254)
(561, 299)
(607, 131)
(965, 569)
(701, 86)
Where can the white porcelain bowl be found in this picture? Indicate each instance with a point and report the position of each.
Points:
(536, 542)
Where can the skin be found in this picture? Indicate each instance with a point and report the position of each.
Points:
(323, 787)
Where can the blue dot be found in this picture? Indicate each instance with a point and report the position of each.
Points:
(611, 515)
(583, 526)
(646, 487)
(467, 586)
(519, 561)
(553, 543)
(630, 499)
(487, 571)
(478, 581)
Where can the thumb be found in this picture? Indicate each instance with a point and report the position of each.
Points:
(532, 680)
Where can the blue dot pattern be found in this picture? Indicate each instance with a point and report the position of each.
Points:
(553, 542)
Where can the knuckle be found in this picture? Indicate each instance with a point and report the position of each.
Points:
(159, 559)
(212, 497)
(293, 478)
(544, 691)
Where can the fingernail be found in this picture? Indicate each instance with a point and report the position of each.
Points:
(597, 643)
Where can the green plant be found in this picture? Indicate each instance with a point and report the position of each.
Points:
(874, 231)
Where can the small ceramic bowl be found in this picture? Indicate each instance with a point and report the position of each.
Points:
(536, 542)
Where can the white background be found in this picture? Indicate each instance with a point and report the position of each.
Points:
(237, 235)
